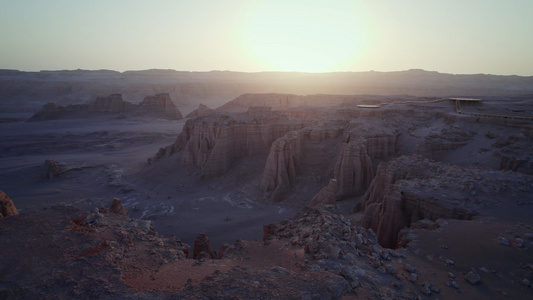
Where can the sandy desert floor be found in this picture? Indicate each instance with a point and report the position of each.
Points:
(107, 159)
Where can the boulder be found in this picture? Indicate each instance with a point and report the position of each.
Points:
(52, 169)
(7, 208)
(117, 208)
(203, 248)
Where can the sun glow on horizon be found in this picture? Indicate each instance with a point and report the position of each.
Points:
(318, 37)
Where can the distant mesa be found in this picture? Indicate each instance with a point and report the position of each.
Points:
(52, 169)
(112, 103)
(159, 105)
(117, 208)
(201, 111)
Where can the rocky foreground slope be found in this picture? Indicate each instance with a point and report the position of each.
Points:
(65, 252)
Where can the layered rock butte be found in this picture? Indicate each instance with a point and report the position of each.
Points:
(159, 105)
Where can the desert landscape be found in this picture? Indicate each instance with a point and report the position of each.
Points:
(197, 185)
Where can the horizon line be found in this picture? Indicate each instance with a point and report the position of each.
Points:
(254, 72)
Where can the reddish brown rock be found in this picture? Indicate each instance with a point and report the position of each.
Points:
(326, 196)
(203, 248)
(269, 230)
(52, 169)
(7, 208)
(117, 208)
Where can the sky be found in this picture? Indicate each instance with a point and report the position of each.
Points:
(448, 36)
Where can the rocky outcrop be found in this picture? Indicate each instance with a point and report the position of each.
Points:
(52, 111)
(160, 104)
(201, 111)
(215, 141)
(112, 103)
(515, 153)
(203, 248)
(326, 196)
(323, 233)
(7, 208)
(441, 142)
(281, 165)
(117, 208)
(360, 153)
(409, 189)
(52, 169)
(289, 155)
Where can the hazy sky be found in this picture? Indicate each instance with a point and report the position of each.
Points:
(450, 36)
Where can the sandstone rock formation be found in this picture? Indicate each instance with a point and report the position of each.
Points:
(312, 148)
(117, 208)
(362, 150)
(52, 111)
(160, 104)
(52, 169)
(408, 189)
(203, 248)
(215, 141)
(326, 195)
(112, 103)
(201, 111)
(282, 165)
(7, 208)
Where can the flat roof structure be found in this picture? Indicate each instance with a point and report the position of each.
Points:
(368, 106)
(465, 99)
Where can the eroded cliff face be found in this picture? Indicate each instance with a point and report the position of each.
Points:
(215, 141)
(409, 189)
(311, 148)
(352, 157)
(362, 150)
(112, 103)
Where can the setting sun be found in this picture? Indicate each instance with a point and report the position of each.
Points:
(313, 38)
